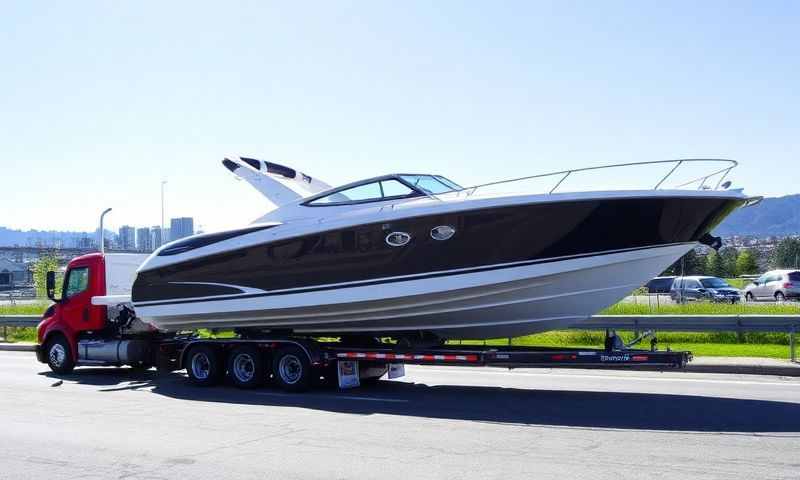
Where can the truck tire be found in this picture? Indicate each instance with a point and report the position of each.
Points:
(204, 366)
(292, 369)
(59, 355)
(246, 366)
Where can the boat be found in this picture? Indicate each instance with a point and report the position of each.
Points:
(417, 255)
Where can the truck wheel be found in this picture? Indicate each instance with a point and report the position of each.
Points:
(292, 369)
(246, 367)
(204, 366)
(59, 355)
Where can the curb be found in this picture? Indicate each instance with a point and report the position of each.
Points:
(17, 347)
(777, 370)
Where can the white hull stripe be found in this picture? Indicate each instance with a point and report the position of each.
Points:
(396, 279)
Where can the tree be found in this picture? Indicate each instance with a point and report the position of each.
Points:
(786, 254)
(746, 263)
(728, 256)
(689, 264)
(715, 264)
(44, 264)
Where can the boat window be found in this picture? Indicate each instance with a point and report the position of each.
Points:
(393, 188)
(374, 191)
(77, 281)
(429, 183)
(448, 182)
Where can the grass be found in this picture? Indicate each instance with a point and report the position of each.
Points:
(703, 308)
(22, 334)
(723, 344)
(771, 345)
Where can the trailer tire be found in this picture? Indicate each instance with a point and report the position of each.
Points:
(204, 365)
(292, 369)
(246, 366)
(59, 355)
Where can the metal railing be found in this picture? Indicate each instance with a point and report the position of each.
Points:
(702, 181)
(699, 323)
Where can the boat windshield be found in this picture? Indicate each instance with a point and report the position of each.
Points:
(714, 283)
(431, 184)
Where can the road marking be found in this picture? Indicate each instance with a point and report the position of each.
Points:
(614, 377)
(333, 397)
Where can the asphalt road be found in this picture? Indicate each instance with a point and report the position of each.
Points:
(452, 423)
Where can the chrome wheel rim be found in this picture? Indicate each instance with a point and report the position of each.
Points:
(290, 369)
(57, 355)
(244, 367)
(201, 366)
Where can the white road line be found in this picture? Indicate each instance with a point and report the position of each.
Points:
(333, 397)
(790, 383)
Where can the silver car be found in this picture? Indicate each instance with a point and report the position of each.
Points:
(777, 285)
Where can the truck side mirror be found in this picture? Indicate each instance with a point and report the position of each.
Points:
(51, 286)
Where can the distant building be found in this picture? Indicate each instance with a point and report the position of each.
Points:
(12, 274)
(143, 240)
(127, 237)
(156, 239)
(181, 227)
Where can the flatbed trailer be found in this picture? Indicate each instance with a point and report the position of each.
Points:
(298, 363)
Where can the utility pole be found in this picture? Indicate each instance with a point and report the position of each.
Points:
(163, 182)
(103, 231)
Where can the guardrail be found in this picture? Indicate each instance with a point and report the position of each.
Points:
(676, 323)
(20, 320)
(699, 323)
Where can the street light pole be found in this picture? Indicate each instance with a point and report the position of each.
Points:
(163, 182)
(103, 231)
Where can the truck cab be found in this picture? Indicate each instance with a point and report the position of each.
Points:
(82, 326)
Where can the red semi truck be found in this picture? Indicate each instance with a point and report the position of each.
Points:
(92, 323)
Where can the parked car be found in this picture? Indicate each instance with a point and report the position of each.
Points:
(703, 288)
(659, 285)
(777, 285)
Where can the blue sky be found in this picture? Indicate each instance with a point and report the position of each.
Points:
(102, 100)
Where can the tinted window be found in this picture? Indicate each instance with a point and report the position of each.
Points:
(428, 183)
(77, 281)
(393, 188)
(714, 283)
(794, 277)
(659, 285)
(366, 192)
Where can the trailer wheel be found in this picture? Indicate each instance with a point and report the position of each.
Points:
(59, 355)
(204, 366)
(292, 369)
(246, 367)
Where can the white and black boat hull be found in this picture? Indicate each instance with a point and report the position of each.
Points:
(505, 301)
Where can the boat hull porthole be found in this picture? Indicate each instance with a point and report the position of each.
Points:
(442, 232)
(397, 239)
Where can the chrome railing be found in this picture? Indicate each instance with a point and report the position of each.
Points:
(718, 174)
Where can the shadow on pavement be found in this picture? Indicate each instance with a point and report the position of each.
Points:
(572, 408)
